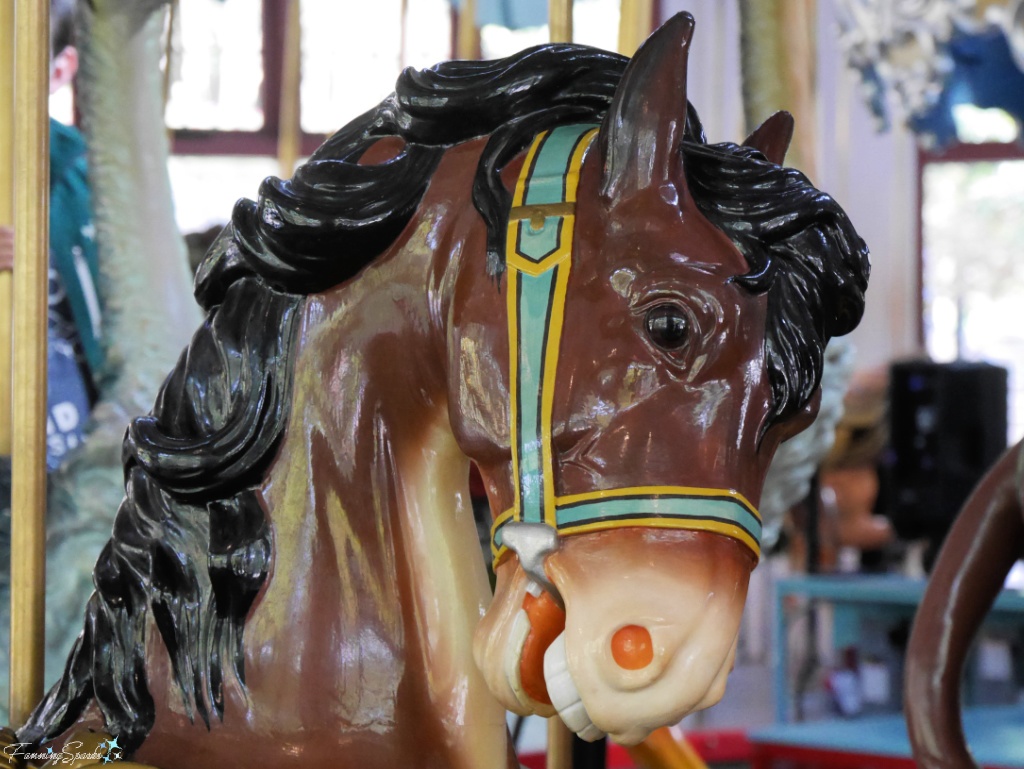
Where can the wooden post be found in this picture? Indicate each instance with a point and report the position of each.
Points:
(799, 22)
(778, 53)
(559, 755)
(289, 137)
(666, 748)
(559, 748)
(636, 20)
(560, 20)
(31, 249)
(6, 212)
(467, 42)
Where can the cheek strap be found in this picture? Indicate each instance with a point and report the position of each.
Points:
(538, 258)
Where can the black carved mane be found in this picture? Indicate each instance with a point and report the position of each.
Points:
(191, 546)
(802, 250)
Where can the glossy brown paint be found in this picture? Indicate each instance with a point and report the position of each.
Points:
(617, 395)
(357, 648)
(628, 413)
(984, 542)
(335, 668)
(372, 378)
(335, 665)
(639, 241)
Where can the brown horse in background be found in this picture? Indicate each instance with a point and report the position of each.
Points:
(985, 541)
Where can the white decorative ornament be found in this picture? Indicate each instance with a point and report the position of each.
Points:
(900, 47)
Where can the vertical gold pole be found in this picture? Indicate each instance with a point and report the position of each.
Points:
(289, 139)
(31, 253)
(666, 748)
(6, 211)
(559, 753)
(467, 45)
(779, 54)
(636, 20)
(799, 20)
(560, 20)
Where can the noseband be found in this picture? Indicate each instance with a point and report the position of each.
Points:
(538, 258)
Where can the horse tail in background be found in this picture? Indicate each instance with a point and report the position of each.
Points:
(983, 544)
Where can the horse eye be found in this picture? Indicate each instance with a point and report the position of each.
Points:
(667, 326)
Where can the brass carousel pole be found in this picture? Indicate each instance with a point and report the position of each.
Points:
(289, 140)
(560, 20)
(467, 41)
(31, 247)
(664, 748)
(6, 212)
(778, 55)
(559, 748)
(636, 22)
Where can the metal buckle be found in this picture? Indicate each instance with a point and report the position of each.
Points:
(533, 542)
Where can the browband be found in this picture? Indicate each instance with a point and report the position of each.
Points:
(538, 257)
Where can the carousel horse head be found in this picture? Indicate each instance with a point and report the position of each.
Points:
(538, 264)
(668, 303)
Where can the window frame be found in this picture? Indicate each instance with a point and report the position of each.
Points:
(263, 141)
(957, 153)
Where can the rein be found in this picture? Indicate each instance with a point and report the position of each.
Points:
(538, 257)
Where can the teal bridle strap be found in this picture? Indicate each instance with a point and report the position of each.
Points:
(538, 261)
(538, 255)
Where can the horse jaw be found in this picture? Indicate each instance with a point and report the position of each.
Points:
(442, 554)
(500, 640)
(686, 589)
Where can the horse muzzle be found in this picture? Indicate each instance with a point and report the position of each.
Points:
(648, 634)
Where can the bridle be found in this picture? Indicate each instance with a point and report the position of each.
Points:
(538, 258)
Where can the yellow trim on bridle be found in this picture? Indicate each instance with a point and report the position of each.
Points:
(538, 253)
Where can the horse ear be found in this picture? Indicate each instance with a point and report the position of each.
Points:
(772, 137)
(641, 135)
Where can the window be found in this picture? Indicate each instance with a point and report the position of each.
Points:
(224, 93)
(595, 22)
(216, 66)
(972, 266)
(353, 52)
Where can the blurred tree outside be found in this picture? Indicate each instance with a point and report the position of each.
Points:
(973, 271)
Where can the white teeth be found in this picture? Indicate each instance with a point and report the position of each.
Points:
(563, 693)
(533, 588)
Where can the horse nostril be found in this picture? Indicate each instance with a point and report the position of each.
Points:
(632, 648)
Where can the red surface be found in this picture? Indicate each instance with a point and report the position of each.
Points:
(721, 745)
(713, 746)
(765, 756)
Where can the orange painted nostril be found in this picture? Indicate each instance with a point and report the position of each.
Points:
(632, 648)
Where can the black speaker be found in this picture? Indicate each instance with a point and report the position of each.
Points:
(947, 427)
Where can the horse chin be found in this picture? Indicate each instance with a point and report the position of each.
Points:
(574, 714)
(683, 591)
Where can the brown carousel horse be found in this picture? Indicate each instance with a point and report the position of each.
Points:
(537, 264)
(981, 547)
